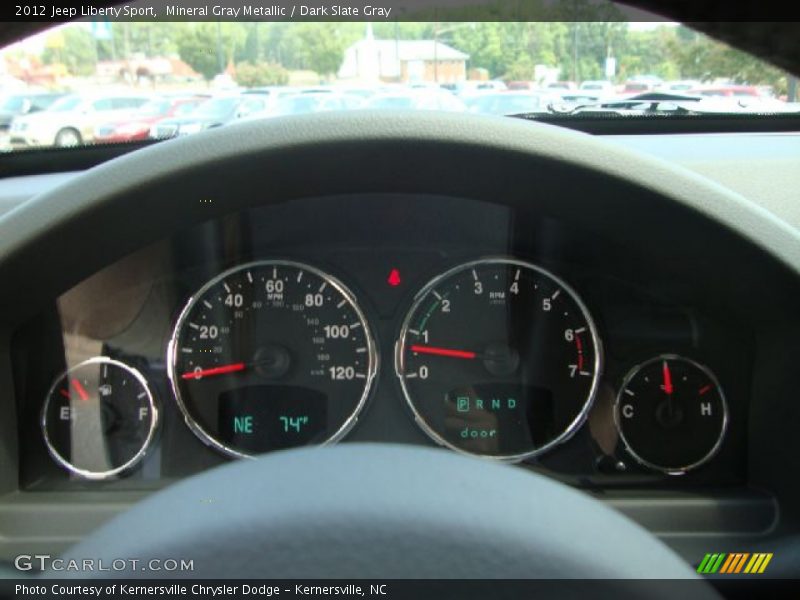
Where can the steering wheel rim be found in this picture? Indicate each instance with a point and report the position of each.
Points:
(381, 511)
(168, 185)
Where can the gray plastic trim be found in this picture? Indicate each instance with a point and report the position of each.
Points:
(133, 188)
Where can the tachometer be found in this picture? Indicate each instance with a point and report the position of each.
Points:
(270, 355)
(500, 358)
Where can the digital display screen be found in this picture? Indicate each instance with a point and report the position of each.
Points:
(499, 418)
(259, 418)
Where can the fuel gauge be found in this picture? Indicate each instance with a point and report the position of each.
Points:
(99, 418)
(671, 414)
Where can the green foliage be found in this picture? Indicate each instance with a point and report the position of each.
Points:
(322, 47)
(259, 74)
(209, 47)
(75, 50)
(150, 39)
(697, 56)
(578, 45)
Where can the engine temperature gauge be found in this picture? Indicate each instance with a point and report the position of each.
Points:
(671, 414)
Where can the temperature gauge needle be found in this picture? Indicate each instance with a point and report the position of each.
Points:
(667, 386)
(443, 352)
(232, 368)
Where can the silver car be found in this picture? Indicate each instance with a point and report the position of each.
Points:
(71, 120)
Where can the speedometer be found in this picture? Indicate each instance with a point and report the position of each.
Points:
(500, 358)
(270, 355)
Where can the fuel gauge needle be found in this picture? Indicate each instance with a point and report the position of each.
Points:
(231, 368)
(80, 389)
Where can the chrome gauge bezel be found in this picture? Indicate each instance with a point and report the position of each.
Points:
(172, 353)
(137, 458)
(422, 294)
(682, 470)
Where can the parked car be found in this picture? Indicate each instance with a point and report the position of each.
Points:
(521, 85)
(571, 97)
(685, 85)
(137, 126)
(638, 87)
(310, 102)
(597, 86)
(416, 100)
(732, 91)
(215, 112)
(562, 85)
(70, 121)
(509, 103)
(17, 105)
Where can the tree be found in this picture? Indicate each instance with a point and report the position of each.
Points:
(700, 57)
(486, 44)
(258, 74)
(203, 46)
(74, 48)
(323, 45)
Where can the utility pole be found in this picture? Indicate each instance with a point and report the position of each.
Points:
(436, 52)
(575, 52)
(220, 60)
(256, 43)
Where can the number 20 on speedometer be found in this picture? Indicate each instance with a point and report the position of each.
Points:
(500, 358)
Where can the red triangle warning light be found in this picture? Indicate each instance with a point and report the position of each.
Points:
(394, 278)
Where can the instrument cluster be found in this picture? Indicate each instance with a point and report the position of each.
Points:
(228, 342)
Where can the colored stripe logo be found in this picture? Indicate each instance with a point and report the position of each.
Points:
(735, 562)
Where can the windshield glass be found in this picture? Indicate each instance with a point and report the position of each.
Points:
(216, 108)
(12, 103)
(239, 70)
(65, 104)
(154, 108)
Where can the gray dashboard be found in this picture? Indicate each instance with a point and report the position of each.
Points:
(762, 167)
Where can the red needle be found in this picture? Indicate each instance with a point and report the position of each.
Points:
(214, 371)
(443, 352)
(667, 387)
(80, 389)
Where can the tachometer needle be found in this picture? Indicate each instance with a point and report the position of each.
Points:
(214, 371)
(443, 352)
(667, 386)
(80, 389)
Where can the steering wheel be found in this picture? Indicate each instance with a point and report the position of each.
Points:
(370, 510)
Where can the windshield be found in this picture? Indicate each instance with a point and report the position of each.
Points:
(13, 103)
(236, 70)
(154, 108)
(65, 104)
(300, 103)
(216, 108)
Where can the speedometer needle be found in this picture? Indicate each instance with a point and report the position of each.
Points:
(443, 352)
(232, 368)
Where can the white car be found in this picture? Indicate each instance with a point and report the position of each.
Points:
(416, 100)
(599, 86)
(71, 120)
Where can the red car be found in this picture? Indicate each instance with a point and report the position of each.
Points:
(137, 125)
(732, 91)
